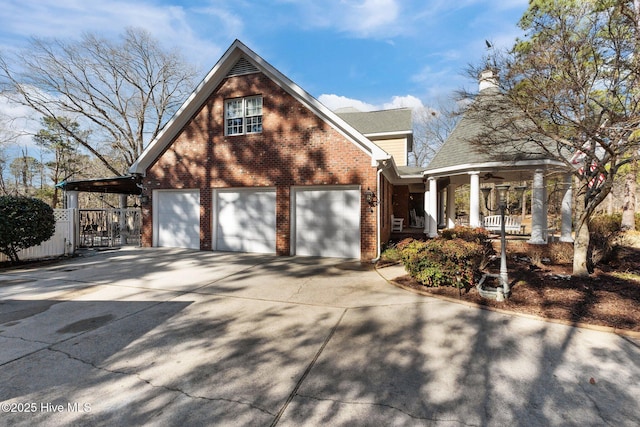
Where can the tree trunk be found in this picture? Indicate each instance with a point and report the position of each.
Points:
(581, 261)
(54, 200)
(629, 201)
(12, 253)
(581, 253)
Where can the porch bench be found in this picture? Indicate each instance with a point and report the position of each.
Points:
(512, 224)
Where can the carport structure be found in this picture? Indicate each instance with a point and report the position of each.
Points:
(124, 186)
(461, 162)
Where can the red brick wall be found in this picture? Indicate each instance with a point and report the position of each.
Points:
(295, 148)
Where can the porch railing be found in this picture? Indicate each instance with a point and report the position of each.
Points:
(109, 227)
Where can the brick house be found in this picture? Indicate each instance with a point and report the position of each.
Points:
(252, 163)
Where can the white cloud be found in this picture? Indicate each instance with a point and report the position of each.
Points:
(67, 19)
(372, 15)
(334, 102)
(407, 101)
(361, 18)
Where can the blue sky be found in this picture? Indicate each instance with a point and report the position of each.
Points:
(368, 53)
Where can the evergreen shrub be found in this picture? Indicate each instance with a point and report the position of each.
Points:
(453, 259)
(24, 222)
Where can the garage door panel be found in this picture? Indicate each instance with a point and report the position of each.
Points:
(246, 221)
(178, 219)
(328, 222)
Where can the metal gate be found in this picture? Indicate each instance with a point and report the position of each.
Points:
(109, 227)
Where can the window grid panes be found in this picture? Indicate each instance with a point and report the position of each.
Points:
(254, 106)
(254, 124)
(234, 126)
(243, 115)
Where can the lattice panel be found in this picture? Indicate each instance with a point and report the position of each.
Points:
(62, 214)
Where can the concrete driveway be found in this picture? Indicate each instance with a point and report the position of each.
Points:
(175, 337)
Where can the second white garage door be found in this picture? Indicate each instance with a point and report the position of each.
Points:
(327, 222)
(245, 221)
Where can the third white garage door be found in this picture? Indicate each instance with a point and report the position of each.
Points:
(245, 220)
(327, 222)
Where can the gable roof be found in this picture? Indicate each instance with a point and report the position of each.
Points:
(237, 60)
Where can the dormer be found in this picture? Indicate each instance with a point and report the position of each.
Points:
(390, 130)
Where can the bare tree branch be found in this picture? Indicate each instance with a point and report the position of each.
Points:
(123, 91)
(431, 127)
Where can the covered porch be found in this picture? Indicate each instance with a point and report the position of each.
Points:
(448, 195)
(542, 213)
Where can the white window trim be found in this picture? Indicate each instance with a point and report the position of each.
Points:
(244, 115)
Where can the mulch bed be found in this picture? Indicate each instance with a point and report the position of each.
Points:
(606, 298)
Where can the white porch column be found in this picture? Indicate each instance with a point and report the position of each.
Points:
(451, 206)
(72, 203)
(72, 199)
(426, 209)
(432, 215)
(474, 200)
(566, 210)
(538, 209)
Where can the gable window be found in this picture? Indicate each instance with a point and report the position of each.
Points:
(243, 115)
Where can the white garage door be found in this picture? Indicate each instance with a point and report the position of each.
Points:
(327, 223)
(246, 221)
(177, 218)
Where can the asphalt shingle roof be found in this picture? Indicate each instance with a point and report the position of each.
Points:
(410, 170)
(383, 121)
(459, 148)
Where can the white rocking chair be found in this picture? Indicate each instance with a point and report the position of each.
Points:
(396, 224)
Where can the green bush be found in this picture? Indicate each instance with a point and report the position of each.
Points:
(24, 222)
(443, 261)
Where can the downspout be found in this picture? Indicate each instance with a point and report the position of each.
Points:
(385, 164)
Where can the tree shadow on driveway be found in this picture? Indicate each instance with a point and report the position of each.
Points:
(143, 347)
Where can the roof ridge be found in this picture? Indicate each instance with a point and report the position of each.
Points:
(375, 111)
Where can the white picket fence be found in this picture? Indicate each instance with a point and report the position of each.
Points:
(63, 241)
